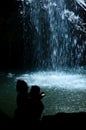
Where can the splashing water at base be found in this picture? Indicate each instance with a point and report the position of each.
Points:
(55, 80)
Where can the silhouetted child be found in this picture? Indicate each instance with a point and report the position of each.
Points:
(36, 106)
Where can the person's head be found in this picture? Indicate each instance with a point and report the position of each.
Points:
(21, 86)
(35, 91)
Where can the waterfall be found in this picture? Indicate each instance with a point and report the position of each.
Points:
(57, 36)
(82, 3)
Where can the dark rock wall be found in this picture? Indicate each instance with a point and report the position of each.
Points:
(11, 44)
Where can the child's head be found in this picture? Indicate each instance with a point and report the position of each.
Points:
(35, 91)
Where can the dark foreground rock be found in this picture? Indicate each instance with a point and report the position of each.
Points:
(57, 121)
(64, 120)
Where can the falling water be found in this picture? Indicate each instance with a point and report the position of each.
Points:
(82, 3)
(59, 32)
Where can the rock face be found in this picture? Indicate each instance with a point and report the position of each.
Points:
(57, 121)
(10, 35)
(12, 47)
(64, 120)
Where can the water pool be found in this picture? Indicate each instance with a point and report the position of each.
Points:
(65, 91)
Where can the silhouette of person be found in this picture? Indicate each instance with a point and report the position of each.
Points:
(22, 100)
(36, 106)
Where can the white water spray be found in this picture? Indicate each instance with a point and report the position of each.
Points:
(82, 3)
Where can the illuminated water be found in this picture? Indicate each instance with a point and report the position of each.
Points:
(55, 80)
(59, 38)
(65, 90)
